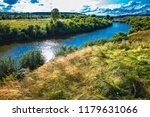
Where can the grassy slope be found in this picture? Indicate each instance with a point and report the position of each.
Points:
(111, 71)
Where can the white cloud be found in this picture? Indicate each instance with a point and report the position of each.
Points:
(100, 7)
(121, 9)
(47, 5)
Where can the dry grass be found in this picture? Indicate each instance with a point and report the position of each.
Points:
(99, 72)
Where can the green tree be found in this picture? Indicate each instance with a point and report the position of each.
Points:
(55, 14)
(108, 17)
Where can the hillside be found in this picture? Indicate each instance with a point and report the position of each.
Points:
(111, 71)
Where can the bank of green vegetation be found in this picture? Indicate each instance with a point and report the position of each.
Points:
(55, 26)
(138, 23)
(18, 67)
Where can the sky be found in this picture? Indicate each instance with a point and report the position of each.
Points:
(98, 7)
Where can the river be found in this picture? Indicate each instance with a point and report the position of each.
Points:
(48, 47)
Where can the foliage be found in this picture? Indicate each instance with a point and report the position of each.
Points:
(138, 23)
(55, 15)
(34, 15)
(119, 37)
(26, 30)
(32, 59)
(95, 42)
(7, 67)
(64, 50)
(18, 67)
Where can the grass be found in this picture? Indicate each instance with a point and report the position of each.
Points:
(110, 71)
(24, 23)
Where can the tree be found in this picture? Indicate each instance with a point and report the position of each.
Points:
(107, 16)
(55, 15)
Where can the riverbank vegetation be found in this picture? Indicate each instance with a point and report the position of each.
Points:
(138, 23)
(17, 67)
(29, 30)
(64, 50)
(109, 70)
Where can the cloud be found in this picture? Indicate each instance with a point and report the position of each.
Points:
(99, 7)
(131, 8)
(45, 5)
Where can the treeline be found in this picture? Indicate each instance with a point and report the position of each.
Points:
(78, 24)
(41, 15)
(138, 23)
(9, 16)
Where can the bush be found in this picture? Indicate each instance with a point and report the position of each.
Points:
(119, 37)
(95, 42)
(138, 23)
(32, 59)
(7, 67)
(63, 50)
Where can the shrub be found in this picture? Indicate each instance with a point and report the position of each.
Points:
(119, 37)
(63, 50)
(138, 23)
(95, 42)
(7, 67)
(32, 59)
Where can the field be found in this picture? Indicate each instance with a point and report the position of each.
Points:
(24, 23)
(117, 70)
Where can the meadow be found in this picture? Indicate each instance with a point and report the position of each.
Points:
(24, 23)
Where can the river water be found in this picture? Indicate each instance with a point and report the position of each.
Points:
(48, 47)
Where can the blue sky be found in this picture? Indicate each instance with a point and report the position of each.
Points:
(99, 7)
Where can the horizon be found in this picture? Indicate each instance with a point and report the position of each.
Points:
(98, 7)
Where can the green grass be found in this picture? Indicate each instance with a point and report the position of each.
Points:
(24, 23)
